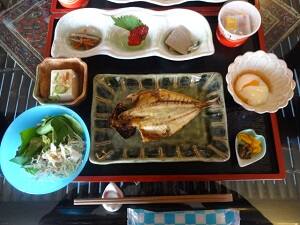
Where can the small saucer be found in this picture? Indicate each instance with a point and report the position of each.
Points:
(254, 158)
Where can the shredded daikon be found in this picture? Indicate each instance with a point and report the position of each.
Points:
(59, 160)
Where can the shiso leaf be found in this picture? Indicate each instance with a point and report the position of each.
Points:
(127, 22)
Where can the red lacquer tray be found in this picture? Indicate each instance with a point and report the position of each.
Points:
(270, 167)
(56, 7)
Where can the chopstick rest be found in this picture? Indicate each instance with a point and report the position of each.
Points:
(112, 191)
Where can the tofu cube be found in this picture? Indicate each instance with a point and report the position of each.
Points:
(63, 85)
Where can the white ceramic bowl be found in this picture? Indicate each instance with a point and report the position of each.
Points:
(254, 158)
(271, 69)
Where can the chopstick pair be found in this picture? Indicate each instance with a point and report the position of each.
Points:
(156, 199)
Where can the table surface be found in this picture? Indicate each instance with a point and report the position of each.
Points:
(16, 96)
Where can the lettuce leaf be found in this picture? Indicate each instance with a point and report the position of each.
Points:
(34, 147)
(55, 129)
(26, 136)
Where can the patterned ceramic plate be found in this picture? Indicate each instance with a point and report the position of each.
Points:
(203, 139)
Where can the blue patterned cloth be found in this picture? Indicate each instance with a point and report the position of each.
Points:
(199, 217)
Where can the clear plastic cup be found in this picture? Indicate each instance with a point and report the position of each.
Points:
(235, 9)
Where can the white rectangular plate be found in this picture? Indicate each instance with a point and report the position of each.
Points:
(114, 39)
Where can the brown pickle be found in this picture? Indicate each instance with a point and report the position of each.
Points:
(244, 151)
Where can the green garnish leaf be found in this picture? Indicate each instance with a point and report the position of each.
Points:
(45, 127)
(26, 136)
(60, 89)
(46, 140)
(21, 160)
(62, 130)
(34, 147)
(127, 22)
(31, 170)
(57, 77)
(74, 124)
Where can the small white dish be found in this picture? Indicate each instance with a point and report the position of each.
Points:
(254, 158)
(272, 70)
(114, 39)
(112, 191)
(166, 2)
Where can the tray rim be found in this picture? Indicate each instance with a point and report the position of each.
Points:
(55, 10)
(205, 11)
(156, 2)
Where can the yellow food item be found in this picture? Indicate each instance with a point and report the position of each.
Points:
(252, 142)
(252, 89)
(231, 23)
(239, 24)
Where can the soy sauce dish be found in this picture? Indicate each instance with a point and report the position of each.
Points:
(250, 147)
(44, 149)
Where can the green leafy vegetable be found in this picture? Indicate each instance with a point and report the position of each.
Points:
(73, 123)
(46, 140)
(45, 127)
(31, 170)
(127, 22)
(60, 89)
(26, 136)
(62, 130)
(34, 147)
(55, 129)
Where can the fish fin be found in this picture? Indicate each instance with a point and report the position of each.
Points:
(154, 133)
(166, 95)
(216, 100)
(142, 98)
(211, 102)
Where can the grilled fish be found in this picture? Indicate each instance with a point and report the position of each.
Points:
(156, 113)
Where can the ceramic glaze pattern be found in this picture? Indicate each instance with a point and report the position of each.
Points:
(203, 139)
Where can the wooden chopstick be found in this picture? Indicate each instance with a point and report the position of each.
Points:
(156, 199)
